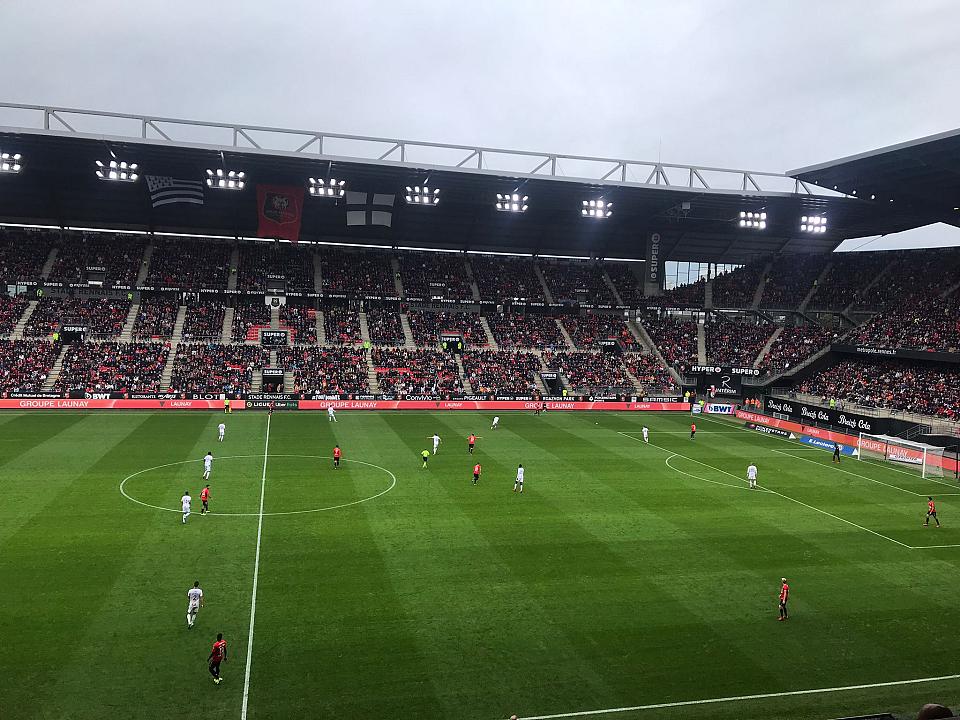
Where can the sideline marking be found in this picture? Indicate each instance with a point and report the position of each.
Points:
(740, 698)
(393, 484)
(256, 576)
(848, 472)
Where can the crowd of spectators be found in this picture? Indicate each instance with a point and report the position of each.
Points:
(790, 278)
(119, 255)
(415, 372)
(926, 388)
(23, 253)
(155, 318)
(505, 278)
(735, 343)
(690, 295)
(216, 368)
(258, 260)
(590, 371)
(735, 289)
(246, 317)
(301, 321)
(189, 264)
(675, 339)
(112, 366)
(576, 281)
(490, 371)
(25, 364)
(341, 327)
(649, 371)
(329, 371)
(204, 321)
(626, 281)
(355, 272)
(588, 330)
(103, 317)
(427, 327)
(435, 275)
(11, 308)
(848, 275)
(794, 345)
(538, 332)
(931, 325)
(385, 326)
(916, 277)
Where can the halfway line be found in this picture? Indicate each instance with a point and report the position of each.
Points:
(256, 576)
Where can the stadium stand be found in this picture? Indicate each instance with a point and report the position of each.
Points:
(385, 326)
(790, 279)
(189, 264)
(930, 325)
(329, 371)
(342, 327)
(415, 372)
(649, 372)
(301, 321)
(576, 281)
(626, 281)
(735, 289)
(590, 371)
(490, 371)
(247, 318)
(690, 295)
(23, 253)
(849, 274)
(103, 317)
(111, 366)
(916, 277)
(434, 275)
(735, 343)
(204, 321)
(215, 368)
(793, 345)
(427, 326)
(260, 260)
(25, 364)
(119, 255)
(588, 330)
(11, 308)
(504, 278)
(357, 272)
(538, 332)
(675, 339)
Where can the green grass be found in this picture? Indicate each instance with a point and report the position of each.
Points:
(615, 580)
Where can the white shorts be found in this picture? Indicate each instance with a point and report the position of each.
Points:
(194, 608)
(186, 508)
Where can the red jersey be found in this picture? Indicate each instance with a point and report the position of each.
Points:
(693, 428)
(476, 469)
(336, 452)
(784, 592)
(219, 651)
(472, 439)
(205, 494)
(931, 507)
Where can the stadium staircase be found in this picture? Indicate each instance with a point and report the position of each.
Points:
(126, 334)
(467, 387)
(950, 290)
(408, 342)
(274, 317)
(566, 336)
(321, 330)
(234, 264)
(708, 295)
(175, 341)
(491, 341)
(54, 375)
(364, 328)
(18, 329)
(397, 282)
(846, 312)
(816, 286)
(548, 296)
(288, 380)
(637, 385)
(474, 288)
(317, 274)
(226, 332)
(701, 343)
(613, 288)
(372, 380)
(256, 382)
(178, 325)
(640, 332)
(48, 265)
(791, 371)
(145, 265)
(758, 293)
(766, 346)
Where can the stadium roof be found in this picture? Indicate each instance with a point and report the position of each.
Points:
(695, 209)
(922, 175)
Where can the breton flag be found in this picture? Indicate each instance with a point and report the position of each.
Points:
(369, 209)
(166, 190)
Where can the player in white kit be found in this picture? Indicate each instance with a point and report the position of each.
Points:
(221, 430)
(518, 483)
(436, 442)
(194, 603)
(646, 434)
(752, 476)
(331, 414)
(207, 465)
(185, 505)
(496, 421)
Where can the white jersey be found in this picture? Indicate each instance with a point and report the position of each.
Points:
(436, 441)
(520, 475)
(646, 433)
(207, 462)
(752, 472)
(222, 428)
(331, 412)
(185, 503)
(496, 420)
(194, 595)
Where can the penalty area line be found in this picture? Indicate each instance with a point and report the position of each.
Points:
(740, 698)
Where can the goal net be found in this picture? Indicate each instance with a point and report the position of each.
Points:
(925, 460)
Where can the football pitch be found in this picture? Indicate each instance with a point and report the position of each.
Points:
(631, 578)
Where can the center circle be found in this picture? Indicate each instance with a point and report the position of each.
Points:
(309, 485)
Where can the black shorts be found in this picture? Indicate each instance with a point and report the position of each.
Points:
(205, 505)
(932, 514)
(476, 476)
(470, 446)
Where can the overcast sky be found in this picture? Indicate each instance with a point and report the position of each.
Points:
(764, 85)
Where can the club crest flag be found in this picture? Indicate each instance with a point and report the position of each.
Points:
(280, 208)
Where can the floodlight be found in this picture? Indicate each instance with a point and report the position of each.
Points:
(511, 202)
(326, 188)
(753, 220)
(10, 162)
(596, 208)
(225, 179)
(121, 171)
(418, 195)
(813, 224)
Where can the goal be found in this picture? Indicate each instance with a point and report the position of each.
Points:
(927, 460)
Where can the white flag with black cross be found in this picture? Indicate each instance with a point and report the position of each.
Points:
(369, 208)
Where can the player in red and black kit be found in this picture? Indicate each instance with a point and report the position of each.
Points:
(336, 457)
(205, 498)
(476, 473)
(931, 512)
(270, 408)
(784, 596)
(217, 655)
(693, 430)
(471, 441)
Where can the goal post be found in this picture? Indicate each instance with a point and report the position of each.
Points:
(926, 460)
